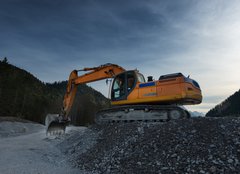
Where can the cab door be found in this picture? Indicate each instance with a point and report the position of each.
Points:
(122, 85)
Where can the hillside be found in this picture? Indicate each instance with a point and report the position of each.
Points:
(229, 107)
(23, 95)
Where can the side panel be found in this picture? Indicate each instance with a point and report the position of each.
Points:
(170, 89)
(147, 90)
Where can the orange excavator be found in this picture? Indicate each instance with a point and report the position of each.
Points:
(132, 98)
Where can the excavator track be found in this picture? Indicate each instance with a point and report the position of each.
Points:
(151, 113)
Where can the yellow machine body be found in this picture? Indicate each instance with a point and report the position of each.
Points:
(169, 89)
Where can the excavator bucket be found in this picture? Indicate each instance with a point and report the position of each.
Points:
(55, 125)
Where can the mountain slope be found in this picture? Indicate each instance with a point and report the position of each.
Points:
(229, 107)
(23, 95)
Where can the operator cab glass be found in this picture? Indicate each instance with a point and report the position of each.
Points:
(118, 86)
(141, 78)
(124, 83)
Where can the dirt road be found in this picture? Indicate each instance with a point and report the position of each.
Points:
(25, 149)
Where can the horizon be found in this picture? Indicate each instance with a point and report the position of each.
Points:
(198, 38)
(104, 92)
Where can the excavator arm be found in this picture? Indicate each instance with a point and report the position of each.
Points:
(56, 122)
(94, 74)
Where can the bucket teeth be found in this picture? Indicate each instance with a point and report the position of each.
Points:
(56, 128)
(54, 125)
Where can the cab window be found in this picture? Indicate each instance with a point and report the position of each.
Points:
(123, 84)
(141, 78)
(118, 86)
(130, 81)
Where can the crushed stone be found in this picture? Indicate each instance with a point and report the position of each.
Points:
(196, 145)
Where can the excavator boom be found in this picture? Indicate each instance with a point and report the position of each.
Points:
(95, 74)
(55, 122)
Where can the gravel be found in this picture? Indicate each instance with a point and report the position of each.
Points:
(25, 149)
(196, 145)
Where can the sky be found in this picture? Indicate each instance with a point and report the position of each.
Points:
(198, 38)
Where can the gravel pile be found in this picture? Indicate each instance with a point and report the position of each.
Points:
(197, 145)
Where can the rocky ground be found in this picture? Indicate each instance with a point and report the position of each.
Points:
(196, 145)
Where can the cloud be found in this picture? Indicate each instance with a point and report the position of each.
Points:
(200, 38)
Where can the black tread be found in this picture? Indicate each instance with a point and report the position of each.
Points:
(167, 108)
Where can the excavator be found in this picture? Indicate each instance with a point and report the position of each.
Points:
(132, 97)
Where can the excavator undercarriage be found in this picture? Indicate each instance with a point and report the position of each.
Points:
(146, 113)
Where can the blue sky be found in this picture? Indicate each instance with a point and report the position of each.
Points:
(198, 38)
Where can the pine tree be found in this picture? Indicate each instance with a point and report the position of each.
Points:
(5, 60)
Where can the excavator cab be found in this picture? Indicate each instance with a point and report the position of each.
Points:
(124, 84)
